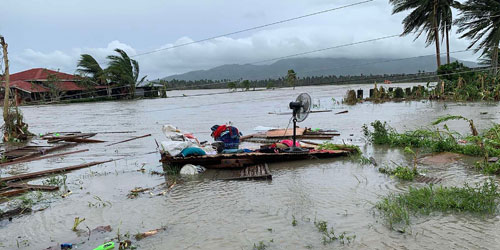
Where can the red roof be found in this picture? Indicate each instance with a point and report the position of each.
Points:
(68, 86)
(39, 74)
(28, 87)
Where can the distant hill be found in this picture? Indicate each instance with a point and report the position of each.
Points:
(315, 67)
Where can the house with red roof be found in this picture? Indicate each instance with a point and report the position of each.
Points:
(44, 84)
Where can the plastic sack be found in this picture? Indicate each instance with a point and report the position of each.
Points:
(174, 148)
(190, 169)
(172, 133)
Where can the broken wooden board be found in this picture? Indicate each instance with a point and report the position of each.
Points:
(14, 192)
(428, 180)
(54, 139)
(49, 172)
(28, 152)
(254, 172)
(33, 187)
(284, 132)
(16, 161)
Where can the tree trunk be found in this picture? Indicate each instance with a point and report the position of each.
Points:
(494, 58)
(447, 44)
(7, 76)
(436, 36)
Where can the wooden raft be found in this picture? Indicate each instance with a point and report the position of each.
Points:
(241, 160)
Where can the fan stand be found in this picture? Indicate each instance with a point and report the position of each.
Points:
(293, 148)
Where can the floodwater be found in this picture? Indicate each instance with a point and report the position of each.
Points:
(205, 213)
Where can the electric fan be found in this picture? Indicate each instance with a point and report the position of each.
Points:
(300, 107)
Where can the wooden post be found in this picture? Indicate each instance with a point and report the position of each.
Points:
(6, 77)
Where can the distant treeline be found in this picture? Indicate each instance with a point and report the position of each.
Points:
(304, 81)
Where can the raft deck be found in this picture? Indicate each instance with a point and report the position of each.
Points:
(241, 160)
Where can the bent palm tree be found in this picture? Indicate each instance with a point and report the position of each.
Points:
(480, 21)
(124, 71)
(88, 66)
(428, 16)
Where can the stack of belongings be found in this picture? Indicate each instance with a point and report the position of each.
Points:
(179, 143)
(227, 135)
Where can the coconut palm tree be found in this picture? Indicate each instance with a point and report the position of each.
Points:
(479, 21)
(88, 66)
(445, 7)
(428, 16)
(485, 59)
(124, 71)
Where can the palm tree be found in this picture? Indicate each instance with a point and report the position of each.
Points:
(124, 71)
(480, 21)
(291, 77)
(446, 22)
(88, 66)
(428, 16)
(485, 59)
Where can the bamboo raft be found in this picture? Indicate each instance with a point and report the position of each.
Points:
(242, 160)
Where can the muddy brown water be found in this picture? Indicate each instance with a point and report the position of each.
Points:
(204, 213)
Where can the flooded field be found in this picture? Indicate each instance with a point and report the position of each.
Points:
(205, 213)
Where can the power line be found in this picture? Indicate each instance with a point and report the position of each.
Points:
(253, 28)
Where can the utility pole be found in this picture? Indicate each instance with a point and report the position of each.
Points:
(6, 77)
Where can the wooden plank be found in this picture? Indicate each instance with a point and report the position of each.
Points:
(45, 151)
(54, 139)
(14, 192)
(84, 140)
(33, 187)
(50, 171)
(284, 132)
(131, 139)
(16, 161)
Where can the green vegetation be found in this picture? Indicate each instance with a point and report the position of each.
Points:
(260, 246)
(350, 98)
(55, 181)
(245, 85)
(330, 146)
(478, 21)
(482, 199)
(437, 140)
(15, 129)
(401, 172)
(291, 78)
(329, 235)
(294, 221)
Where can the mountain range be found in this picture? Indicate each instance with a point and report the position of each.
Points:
(316, 67)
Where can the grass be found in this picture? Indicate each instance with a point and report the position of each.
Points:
(329, 235)
(481, 199)
(294, 221)
(330, 146)
(55, 181)
(261, 245)
(439, 140)
(401, 172)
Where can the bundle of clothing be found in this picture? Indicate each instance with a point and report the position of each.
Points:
(228, 135)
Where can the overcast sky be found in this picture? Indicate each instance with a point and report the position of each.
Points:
(52, 34)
